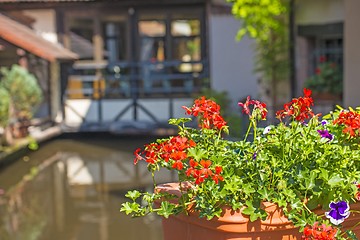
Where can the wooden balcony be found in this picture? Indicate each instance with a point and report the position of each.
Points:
(118, 94)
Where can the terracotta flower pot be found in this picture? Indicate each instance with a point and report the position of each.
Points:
(354, 218)
(231, 225)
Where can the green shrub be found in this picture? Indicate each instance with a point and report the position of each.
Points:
(24, 90)
(4, 107)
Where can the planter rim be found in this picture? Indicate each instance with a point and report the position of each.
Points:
(229, 217)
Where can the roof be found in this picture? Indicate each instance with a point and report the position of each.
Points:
(22, 36)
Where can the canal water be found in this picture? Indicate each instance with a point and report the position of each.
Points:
(72, 189)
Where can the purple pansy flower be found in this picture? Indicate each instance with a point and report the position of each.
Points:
(325, 134)
(339, 211)
(254, 156)
(324, 122)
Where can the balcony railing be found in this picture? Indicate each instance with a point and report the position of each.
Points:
(137, 79)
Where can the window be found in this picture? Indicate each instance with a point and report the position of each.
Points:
(81, 37)
(186, 43)
(115, 41)
(329, 49)
(152, 37)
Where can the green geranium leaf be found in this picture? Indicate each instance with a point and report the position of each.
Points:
(310, 182)
(264, 193)
(254, 216)
(236, 205)
(249, 209)
(248, 189)
(133, 195)
(324, 174)
(166, 209)
(282, 203)
(178, 121)
(297, 205)
(197, 153)
(335, 180)
(254, 213)
(313, 203)
(289, 193)
(129, 208)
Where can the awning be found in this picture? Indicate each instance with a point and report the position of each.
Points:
(25, 38)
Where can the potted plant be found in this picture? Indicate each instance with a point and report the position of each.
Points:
(26, 95)
(297, 178)
(327, 81)
(4, 114)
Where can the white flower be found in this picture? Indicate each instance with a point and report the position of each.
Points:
(324, 122)
(267, 130)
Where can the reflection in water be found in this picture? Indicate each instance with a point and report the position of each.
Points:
(73, 190)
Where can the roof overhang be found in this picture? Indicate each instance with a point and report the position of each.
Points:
(25, 38)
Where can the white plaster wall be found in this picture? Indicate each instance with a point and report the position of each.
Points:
(231, 62)
(45, 24)
(160, 108)
(352, 54)
(76, 109)
(319, 11)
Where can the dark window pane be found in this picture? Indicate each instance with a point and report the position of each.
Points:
(114, 39)
(81, 37)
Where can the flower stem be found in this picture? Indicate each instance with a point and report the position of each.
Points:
(247, 132)
(153, 178)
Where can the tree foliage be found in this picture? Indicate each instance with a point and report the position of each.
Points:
(266, 21)
(24, 90)
(4, 107)
(260, 18)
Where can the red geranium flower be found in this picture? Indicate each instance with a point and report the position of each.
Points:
(259, 108)
(350, 121)
(208, 112)
(299, 108)
(321, 232)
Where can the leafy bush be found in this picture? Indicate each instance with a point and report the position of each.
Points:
(24, 90)
(4, 107)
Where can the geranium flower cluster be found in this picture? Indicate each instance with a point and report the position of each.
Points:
(200, 174)
(175, 149)
(299, 108)
(319, 232)
(350, 120)
(259, 110)
(208, 113)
